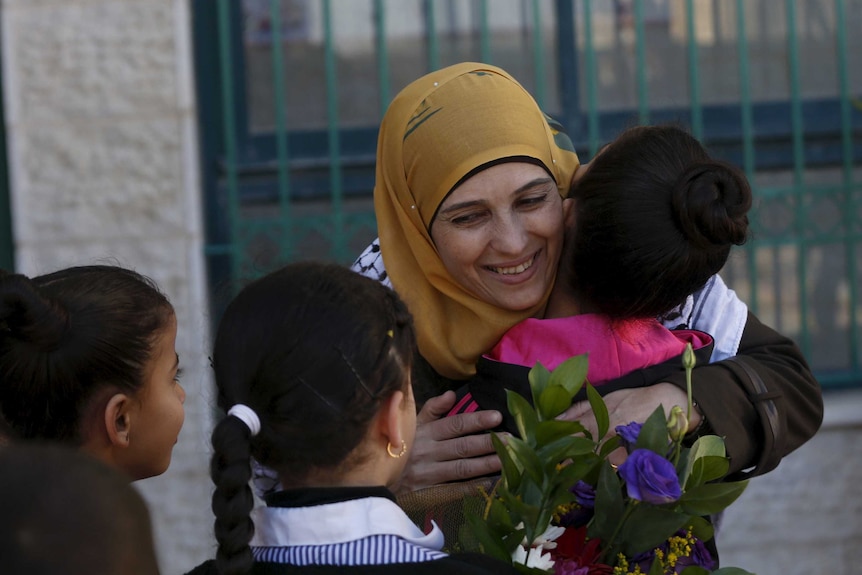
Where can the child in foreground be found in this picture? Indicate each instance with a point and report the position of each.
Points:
(88, 359)
(65, 512)
(312, 365)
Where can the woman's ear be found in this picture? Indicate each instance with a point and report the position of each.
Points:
(569, 212)
(118, 421)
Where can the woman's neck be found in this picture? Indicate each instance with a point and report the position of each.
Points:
(562, 301)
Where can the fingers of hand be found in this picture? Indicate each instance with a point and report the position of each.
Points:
(463, 424)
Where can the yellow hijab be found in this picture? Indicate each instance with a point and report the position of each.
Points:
(438, 129)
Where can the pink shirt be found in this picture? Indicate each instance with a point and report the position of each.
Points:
(615, 348)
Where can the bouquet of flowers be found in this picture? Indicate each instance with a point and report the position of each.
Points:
(561, 507)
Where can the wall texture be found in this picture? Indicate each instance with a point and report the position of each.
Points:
(103, 160)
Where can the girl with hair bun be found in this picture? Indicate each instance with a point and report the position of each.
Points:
(652, 218)
(312, 365)
(88, 359)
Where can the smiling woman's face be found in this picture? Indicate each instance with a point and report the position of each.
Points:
(500, 232)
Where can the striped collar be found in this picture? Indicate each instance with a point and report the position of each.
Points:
(338, 522)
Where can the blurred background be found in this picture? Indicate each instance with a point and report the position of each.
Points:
(204, 142)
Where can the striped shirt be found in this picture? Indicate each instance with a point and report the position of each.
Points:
(370, 530)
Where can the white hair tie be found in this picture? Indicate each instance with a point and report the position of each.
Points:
(247, 415)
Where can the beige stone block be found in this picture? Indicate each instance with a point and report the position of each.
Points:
(100, 181)
(91, 59)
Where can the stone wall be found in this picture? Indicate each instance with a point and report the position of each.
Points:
(103, 160)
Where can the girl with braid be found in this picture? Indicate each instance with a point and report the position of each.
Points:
(312, 365)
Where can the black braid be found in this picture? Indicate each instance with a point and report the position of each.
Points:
(232, 500)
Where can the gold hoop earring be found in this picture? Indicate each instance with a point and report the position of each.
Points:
(400, 453)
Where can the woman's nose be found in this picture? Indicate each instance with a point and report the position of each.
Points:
(510, 236)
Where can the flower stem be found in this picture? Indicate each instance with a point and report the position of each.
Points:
(609, 544)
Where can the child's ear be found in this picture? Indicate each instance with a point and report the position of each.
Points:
(118, 421)
(392, 420)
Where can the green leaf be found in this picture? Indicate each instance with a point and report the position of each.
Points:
(656, 567)
(571, 374)
(711, 497)
(523, 413)
(609, 499)
(549, 431)
(510, 470)
(609, 445)
(730, 571)
(653, 435)
(524, 455)
(491, 544)
(539, 377)
(702, 528)
(706, 446)
(600, 411)
(553, 401)
(694, 570)
(648, 527)
(564, 448)
(707, 469)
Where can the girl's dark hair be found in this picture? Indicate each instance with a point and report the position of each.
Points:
(65, 511)
(67, 336)
(655, 217)
(313, 349)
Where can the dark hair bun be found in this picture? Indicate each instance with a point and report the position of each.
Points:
(29, 318)
(711, 201)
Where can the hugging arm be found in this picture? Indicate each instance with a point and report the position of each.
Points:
(765, 401)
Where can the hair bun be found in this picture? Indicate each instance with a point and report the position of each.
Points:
(711, 201)
(26, 316)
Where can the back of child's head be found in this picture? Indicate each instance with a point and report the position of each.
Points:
(68, 337)
(64, 512)
(655, 217)
(313, 349)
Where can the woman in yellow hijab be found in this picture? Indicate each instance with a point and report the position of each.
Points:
(438, 132)
(470, 180)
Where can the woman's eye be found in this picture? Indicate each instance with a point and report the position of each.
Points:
(178, 375)
(531, 201)
(467, 219)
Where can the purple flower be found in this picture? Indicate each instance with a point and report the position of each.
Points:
(650, 477)
(700, 556)
(629, 434)
(585, 494)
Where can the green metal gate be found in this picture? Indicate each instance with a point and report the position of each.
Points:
(291, 92)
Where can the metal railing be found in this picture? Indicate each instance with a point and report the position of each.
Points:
(291, 93)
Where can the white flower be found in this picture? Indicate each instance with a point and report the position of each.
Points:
(533, 558)
(546, 540)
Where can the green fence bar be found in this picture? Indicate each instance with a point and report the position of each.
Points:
(592, 80)
(230, 131)
(382, 54)
(484, 33)
(798, 176)
(641, 65)
(693, 78)
(850, 208)
(747, 137)
(431, 36)
(339, 239)
(539, 63)
(286, 244)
